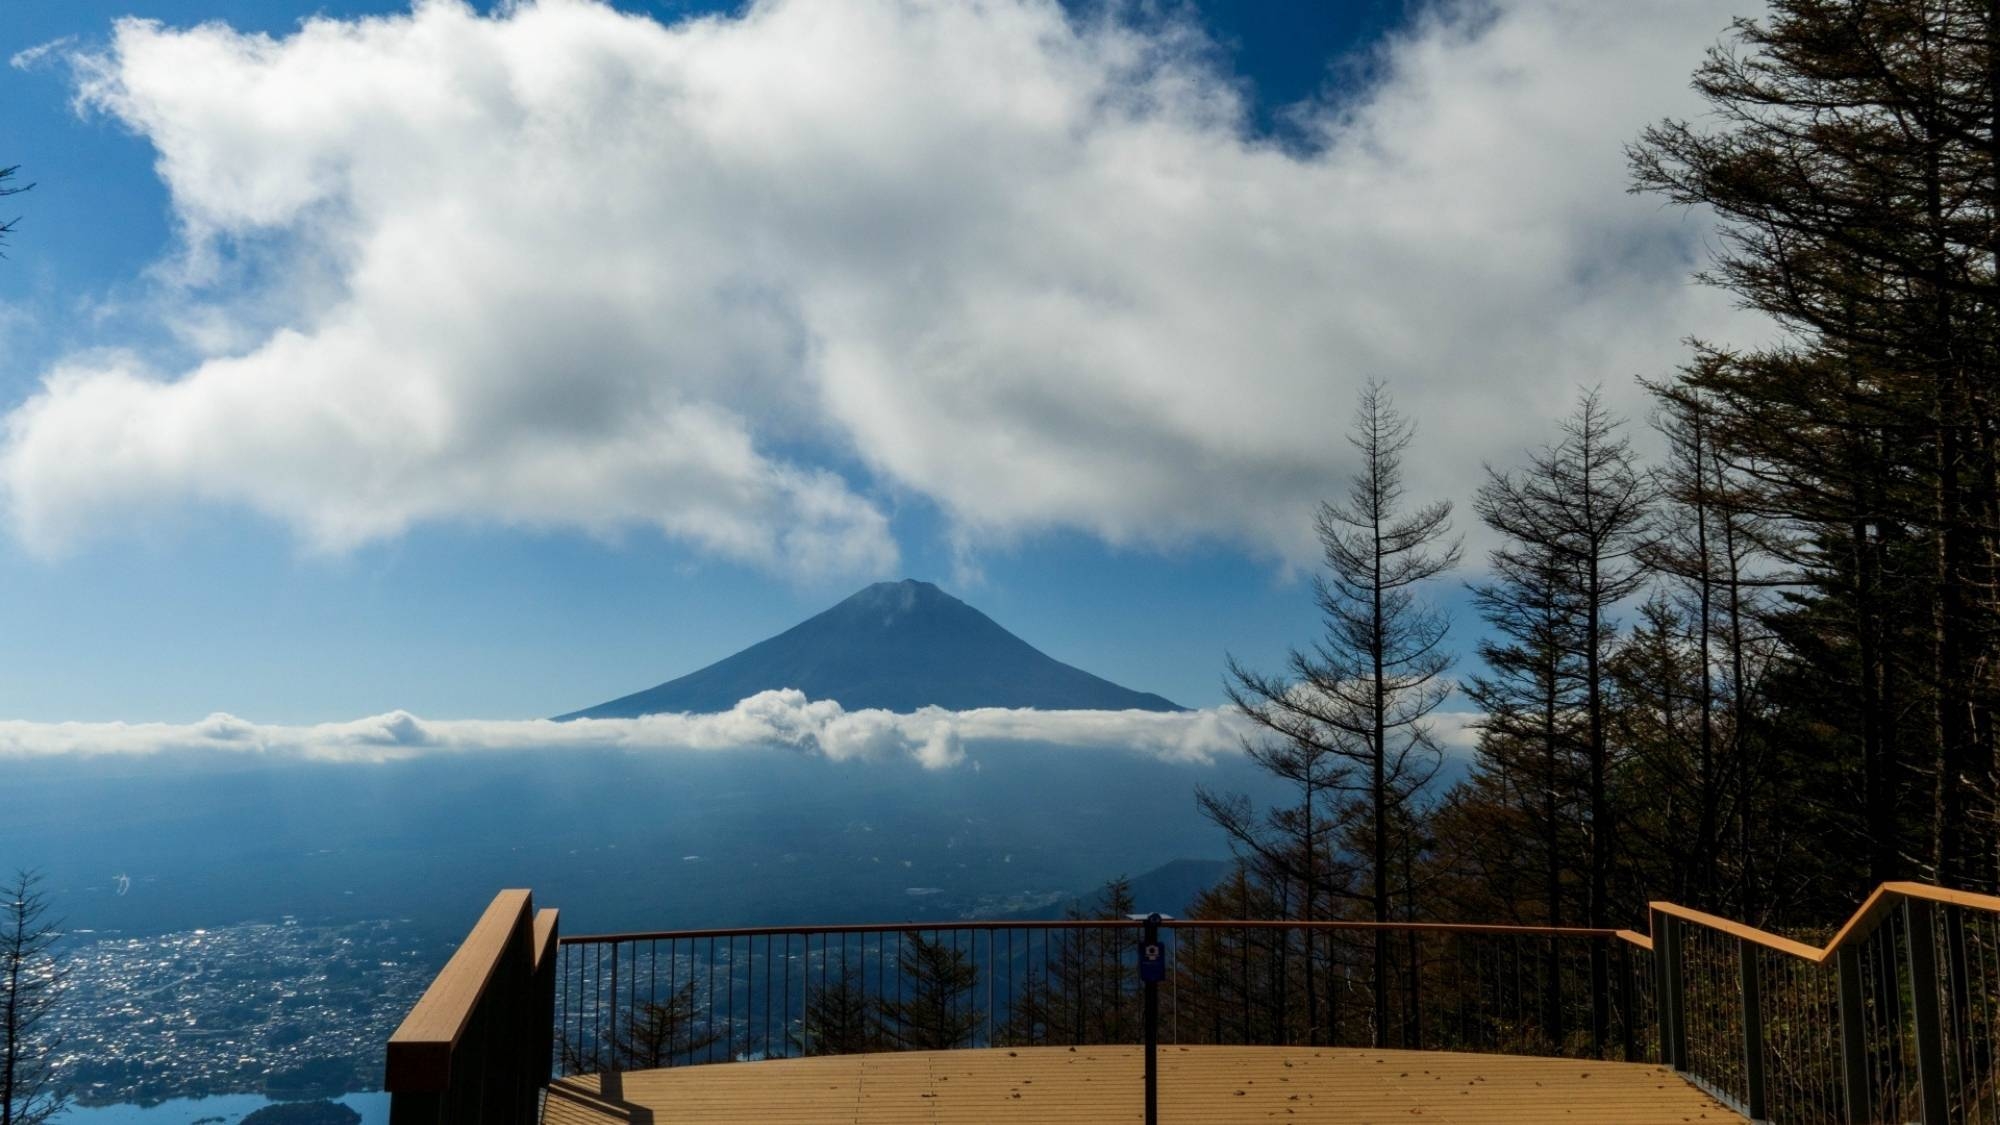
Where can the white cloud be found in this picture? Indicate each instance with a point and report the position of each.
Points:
(932, 738)
(568, 267)
(31, 57)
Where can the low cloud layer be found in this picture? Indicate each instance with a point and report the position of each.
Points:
(754, 280)
(932, 738)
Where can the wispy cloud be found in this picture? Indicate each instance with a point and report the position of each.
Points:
(31, 57)
(745, 279)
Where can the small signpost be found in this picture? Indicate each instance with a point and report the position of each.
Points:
(1152, 970)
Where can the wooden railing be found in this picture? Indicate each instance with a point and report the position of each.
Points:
(476, 1048)
(1896, 1018)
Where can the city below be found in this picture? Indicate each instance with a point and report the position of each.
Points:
(288, 1010)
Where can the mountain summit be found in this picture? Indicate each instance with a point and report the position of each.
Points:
(898, 646)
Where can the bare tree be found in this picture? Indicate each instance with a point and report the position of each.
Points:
(1351, 711)
(1584, 505)
(6, 189)
(1528, 698)
(31, 981)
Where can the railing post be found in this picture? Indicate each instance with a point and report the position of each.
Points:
(1919, 930)
(1753, 1029)
(1627, 1000)
(615, 1064)
(1667, 988)
(459, 1055)
(1853, 1040)
(542, 1040)
(1152, 970)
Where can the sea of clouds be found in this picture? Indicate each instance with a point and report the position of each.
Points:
(932, 738)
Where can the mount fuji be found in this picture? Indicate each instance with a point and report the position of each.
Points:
(898, 646)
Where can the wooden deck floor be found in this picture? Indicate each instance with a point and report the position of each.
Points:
(1092, 1084)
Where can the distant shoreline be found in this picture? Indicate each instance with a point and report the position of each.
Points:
(373, 1106)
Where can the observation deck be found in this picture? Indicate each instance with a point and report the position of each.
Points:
(1223, 1085)
(1895, 1019)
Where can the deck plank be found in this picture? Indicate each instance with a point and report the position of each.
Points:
(1091, 1084)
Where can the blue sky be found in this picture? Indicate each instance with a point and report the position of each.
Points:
(181, 537)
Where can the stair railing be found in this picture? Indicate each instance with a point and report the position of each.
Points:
(1896, 1018)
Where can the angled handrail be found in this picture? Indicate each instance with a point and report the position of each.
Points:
(1872, 913)
(1890, 1019)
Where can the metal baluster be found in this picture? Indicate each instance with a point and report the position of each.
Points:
(1921, 954)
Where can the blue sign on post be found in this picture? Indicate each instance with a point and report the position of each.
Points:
(1152, 970)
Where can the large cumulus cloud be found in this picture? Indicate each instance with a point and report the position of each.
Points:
(751, 280)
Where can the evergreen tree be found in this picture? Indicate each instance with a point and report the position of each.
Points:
(664, 1032)
(840, 1017)
(934, 1011)
(1083, 990)
(1811, 441)
(1222, 977)
(1852, 152)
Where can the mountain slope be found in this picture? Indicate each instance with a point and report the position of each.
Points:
(899, 646)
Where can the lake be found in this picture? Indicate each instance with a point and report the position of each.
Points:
(231, 1108)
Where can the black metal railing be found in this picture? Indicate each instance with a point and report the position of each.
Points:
(627, 1001)
(1892, 1020)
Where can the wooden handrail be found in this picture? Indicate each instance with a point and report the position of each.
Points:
(1111, 923)
(1739, 930)
(1858, 927)
(545, 938)
(1635, 938)
(420, 1051)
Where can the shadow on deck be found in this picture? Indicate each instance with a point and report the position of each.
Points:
(1092, 1084)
